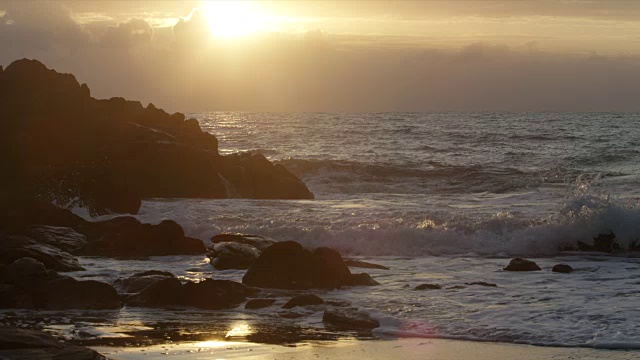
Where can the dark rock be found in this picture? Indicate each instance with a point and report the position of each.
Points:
(126, 236)
(363, 279)
(68, 293)
(138, 282)
(303, 300)
(164, 292)
(519, 264)
(15, 247)
(64, 238)
(256, 241)
(12, 297)
(25, 344)
(456, 287)
(259, 303)
(215, 294)
(329, 271)
(284, 265)
(231, 255)
(482, 283)
(20, 213)
(27, 273)
(428, 287)
(363, 264)
(349, 319)
(562, 268)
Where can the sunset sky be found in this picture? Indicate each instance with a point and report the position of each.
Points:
(339, 56)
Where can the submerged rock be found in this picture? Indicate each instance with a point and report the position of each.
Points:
(363, 264)
(259, 303)
(482, 283)
(562, 268)
(303, 300)
(349, 318)
(602, 243)
(287, 265)
(256, 241)
(231, 255)
(428, 287)
(519, 264)
(363, 279)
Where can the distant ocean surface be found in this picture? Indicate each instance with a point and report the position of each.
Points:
(449, 198)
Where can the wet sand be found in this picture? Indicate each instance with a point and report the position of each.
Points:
(423, 349)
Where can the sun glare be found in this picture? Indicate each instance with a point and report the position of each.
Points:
(232, 19)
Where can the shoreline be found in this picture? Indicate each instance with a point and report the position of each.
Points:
(405, 348)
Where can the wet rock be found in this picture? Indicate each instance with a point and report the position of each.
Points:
(363, 279)
(363, 264)
(562, 268)
(482, 283)
(68, 293)
(27, 273)
(256, 241)
(349, 319)
(25, 344)
(428, 287)
(63, 238)
(12, 297)
(163, 292)
(284, 265)
(139, 281)
(259, 303)
(215, 294)
(519, 264)
(287, 265)
(15, 247)
(303, 300)
(329, 270)
(127, 237)
(456, 287)
(602, 243)
(232, 255)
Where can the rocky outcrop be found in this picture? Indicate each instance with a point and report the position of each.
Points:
(256, 241)
(602, 243)
(215, 294)
(428, 287)
(60, 143)
(349, 318)
(519, 264)
(14, 247)
(127, 237)
(232, 255)
(64, 238)
(16, 343)
(303, 300)
(28, 284)
(287, 265)
(562, 268)
(363, 279)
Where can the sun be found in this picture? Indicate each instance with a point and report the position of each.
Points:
(233, 19)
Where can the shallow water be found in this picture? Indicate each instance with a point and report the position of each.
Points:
(439, 198)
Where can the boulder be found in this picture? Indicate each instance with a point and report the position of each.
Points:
(215, 294)
(363, 264)
(284, 265)
(15, 247)
(164, 292)
(139, 281)
(232, 255)
(303, 300)
(64, 238)
(562, 268)
(603, 243)
(16, 343)
(259, 303)
(363, 279)
(68, 293)
(329, 270)
(519, 264)
(349, 318)
(256, 241)
(27, 273)
(428, 287)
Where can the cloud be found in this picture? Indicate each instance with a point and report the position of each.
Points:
(131, 33)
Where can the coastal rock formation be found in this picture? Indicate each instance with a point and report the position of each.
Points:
(303, 300)
(14, 247)
(233, 255)
(126, 237)
(562, 268)
(256, 241)
(482, 283)
(603, 243)
(428, 287)
(364, 264)
(28, 284)
(139, 281)
(64, 238)
(349, 318)
(363, 279)
(16, 343)
(287, 265)
(215, 294)
(519, 264)
(60, 143)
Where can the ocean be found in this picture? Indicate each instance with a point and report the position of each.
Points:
(440, 198)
